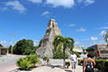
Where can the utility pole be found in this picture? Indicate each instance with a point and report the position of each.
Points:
(12, 42)
(12, 39)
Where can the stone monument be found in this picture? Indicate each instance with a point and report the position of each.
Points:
(47, 49)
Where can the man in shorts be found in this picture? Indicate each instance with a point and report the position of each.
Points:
(73, 59)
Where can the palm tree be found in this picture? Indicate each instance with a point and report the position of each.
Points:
(106, 37)
(63, 42)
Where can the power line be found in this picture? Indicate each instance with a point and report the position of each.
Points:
(12, 39)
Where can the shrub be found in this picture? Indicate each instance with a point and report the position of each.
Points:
(44, 58)
(106, 66)
(101, 64)
(24, 63)
(67, 63)
(28, 61)
(80, 62)
(33, 58)
(18, 61)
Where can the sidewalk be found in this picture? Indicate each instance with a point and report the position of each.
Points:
(54, 68)
(8, 67)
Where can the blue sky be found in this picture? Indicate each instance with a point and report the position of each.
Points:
(85, 21)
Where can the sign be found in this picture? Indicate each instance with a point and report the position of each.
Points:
(78, 49)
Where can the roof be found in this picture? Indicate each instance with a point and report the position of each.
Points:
(3, 48)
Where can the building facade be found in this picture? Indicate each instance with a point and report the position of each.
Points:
(3, 51)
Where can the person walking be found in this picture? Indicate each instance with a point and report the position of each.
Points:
(88, 64)
(73, 59)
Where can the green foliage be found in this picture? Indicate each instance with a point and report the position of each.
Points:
(89, 49)
(59, 55)
(33, 58)
(106, 36)
(67, 63)
(101, 64)
(84, 50)
(40, 42)
(24, 63)
(80, 62)
(18, 61)
(10, 48)
(106, 66)
(45, 58)
(61, 42)
(28, 61)
(1, 45)
(77, 54)
(94, 53)
(24, 47)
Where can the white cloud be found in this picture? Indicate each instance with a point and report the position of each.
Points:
(71, 25)
(16, 6)
(45, 13)
(102, 28)
(35, 1)
(94, 38)
(102, 42)
(36, 42)
(23, 37)
(81, 29)
(79, 1)
(64, 3)
(103, 32)
(88, 2)
(77, 42)
(5, 43)
(4, 9)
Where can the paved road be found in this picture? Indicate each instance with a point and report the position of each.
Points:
(9, 62)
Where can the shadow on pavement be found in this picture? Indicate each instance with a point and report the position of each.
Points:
(68, 70)
(56, 66)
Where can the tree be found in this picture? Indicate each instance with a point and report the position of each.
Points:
(106, 36)
(61, 42)
(10, 48)
(1, 45)
(23, 47)
(89, 49)
(59, 54)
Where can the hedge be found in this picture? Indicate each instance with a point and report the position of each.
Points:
(101, 64)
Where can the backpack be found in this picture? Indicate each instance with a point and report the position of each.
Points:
(89, 66)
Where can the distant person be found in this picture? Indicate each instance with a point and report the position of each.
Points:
(85, 55)
(48, 61)
(73, 59)
(88, 64)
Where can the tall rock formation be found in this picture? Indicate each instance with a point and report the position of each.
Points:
(46, 48)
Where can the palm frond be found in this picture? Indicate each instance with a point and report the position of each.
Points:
(60, 46)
